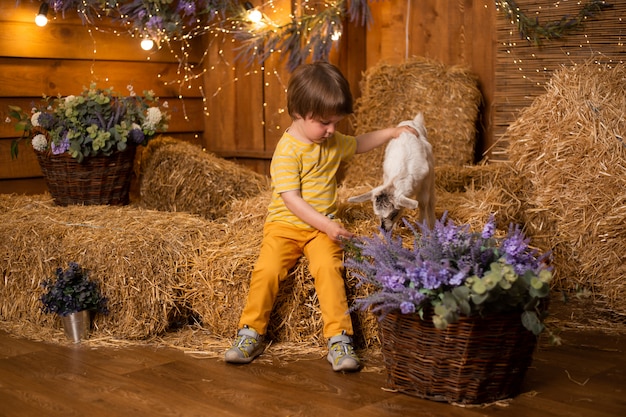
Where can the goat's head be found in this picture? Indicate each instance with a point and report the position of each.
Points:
(387, 205)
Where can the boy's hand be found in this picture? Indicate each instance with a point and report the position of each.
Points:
(336, 232)
(408, 129)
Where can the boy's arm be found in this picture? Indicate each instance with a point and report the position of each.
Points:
(370, 140)
(296, 204)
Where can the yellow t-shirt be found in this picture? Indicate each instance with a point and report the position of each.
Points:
(310, 168)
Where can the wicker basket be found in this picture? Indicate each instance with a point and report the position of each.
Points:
(98, 180)
(477, 360)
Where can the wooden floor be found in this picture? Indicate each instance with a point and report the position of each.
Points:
(584, 377)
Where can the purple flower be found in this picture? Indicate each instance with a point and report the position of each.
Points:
(136, 135)
(62, 147)
(393, 282)
(154, 24)
(407, 307)
(46, 120)
(187, 7)
(411, 277)
(490, 228)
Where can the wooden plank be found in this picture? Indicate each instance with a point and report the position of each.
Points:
(24, 166)
(386, 38)
(26, 186)
(481, 50)
(351, 64)
(261, 166)
(249, 102)
(68, 384)
(220, 106)
(276, 116)
(34, 77)
(65, 41)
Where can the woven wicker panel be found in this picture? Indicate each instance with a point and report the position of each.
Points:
(523, 68)
(477, 360)
(98, 180)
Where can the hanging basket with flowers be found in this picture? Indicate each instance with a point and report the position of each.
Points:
(459, 311)
(86, 143)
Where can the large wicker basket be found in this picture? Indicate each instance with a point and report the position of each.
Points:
(477, 360)
(97, 180)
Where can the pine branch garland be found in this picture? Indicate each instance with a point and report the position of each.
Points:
(535, 32)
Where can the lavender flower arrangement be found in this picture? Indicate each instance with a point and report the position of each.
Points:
(96, 122)
(72, 291)
(452, 271)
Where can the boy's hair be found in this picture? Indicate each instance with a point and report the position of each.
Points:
(319, 90)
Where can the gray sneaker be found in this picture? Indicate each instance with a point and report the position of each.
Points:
(341, 353)
(248, 345)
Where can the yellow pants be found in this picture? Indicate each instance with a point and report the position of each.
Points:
(282, 246)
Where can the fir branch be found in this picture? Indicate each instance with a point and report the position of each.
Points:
(532, 30)
(303, 36)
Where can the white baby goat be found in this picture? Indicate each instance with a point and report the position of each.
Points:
(408, 178)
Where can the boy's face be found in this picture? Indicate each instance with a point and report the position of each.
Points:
(317, 130)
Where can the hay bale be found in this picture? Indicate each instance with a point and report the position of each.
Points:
(568, 146)
(180, 177)
(140, 258)
(448, 97)
(158, 269)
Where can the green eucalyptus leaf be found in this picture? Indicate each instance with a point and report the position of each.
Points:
(439, 322)
(545, 276)
(536, 283)
(505, 284)
(541, 292)
(441, 310)
(465, 307)
(479, 287)
(478, 299)
(461, 293)
(532, 322)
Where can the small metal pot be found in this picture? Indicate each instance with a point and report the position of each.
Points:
(77, 325)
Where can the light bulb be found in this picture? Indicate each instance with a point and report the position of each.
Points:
(147, 44)
(255, 15)
(42, 19)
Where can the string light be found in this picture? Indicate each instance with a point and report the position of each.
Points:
(147, 44)
(254, 14)
(41, 19)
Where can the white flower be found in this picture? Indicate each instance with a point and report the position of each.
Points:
(40, 143)
(34, 119)
(153, 117)
(135, 126)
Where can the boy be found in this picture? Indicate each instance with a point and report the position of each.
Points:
(301, 218)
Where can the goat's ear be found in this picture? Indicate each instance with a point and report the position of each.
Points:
(360, 198)
(408, 202)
